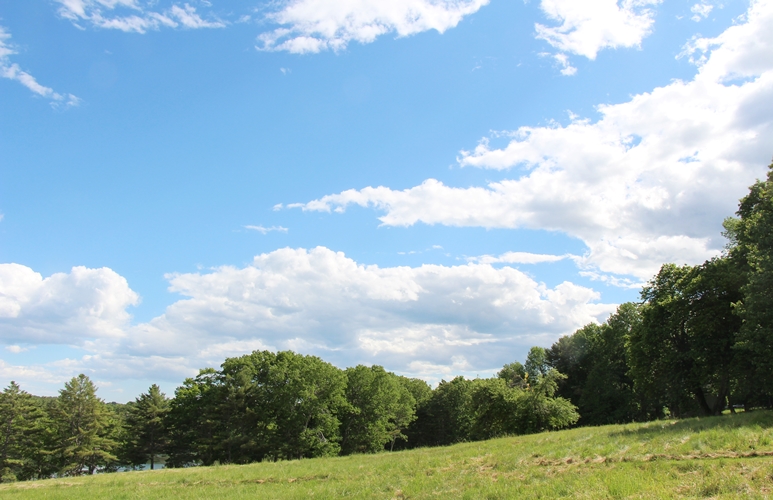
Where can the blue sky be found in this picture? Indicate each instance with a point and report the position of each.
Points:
(434, 186)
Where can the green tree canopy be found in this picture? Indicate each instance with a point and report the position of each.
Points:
(751, 245)
(146, 436)
(22, 434)
(682, 353)
(381, 408)
(84, 427)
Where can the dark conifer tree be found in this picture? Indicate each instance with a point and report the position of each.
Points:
(84, 426)
(145, 432)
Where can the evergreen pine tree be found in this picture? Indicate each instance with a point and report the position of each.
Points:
(84, 427)
(20, 433)
(146, 436)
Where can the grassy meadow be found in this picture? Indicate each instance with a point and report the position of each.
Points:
(720, 457)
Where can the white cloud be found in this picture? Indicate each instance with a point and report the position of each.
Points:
(134, 15)
(16, 349)
(65, 308)
(12, 71)
(330, 301)
(266, 230)
(589, 26)
(316, 25)
(314, 301)
(519, 258)
(566, 68)
(742, 51)
(701, 11)
(29, 374)
(649, 182)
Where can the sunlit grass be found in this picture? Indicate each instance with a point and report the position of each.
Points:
(726, 457)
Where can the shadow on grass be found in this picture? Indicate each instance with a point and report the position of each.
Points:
(761, 418)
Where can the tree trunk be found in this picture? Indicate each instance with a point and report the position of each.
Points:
(705, 408)
(719, 405)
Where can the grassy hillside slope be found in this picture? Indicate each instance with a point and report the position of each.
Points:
(727, 457)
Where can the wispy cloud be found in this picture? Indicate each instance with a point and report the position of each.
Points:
(416, 252)
(566, 68)
(519, 258)
(266, 230)
(308, 26)
(134, 15)
(701, 11)
(12, 71)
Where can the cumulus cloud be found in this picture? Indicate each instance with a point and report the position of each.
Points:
(647, 183)
(315, 25)
(592, 25)
(587, 27)
(314, 301)
(134, 15)
(65, 308)
(12, 71)
(319, 300)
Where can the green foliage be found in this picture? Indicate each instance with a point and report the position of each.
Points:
(537, 364)
(419, 389)
(85, 428)
(509, 404)
(514, 374)
(145, 438)
(594, 360)
(540, 410)
(192, 421)
(751, 244)
(608, 394)
(500, 410)
(380, 408)
(446, 417)
(262, 406)
(682, 354)
(574, 356)
(22, 436)
(291, 403)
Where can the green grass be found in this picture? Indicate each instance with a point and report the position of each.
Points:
(720, 457)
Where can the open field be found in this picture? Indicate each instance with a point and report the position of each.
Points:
(721, 457)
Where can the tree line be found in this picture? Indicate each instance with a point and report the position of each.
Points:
(699, 341)
(265, 406)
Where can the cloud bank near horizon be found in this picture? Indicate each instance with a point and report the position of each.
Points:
(429, 321)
